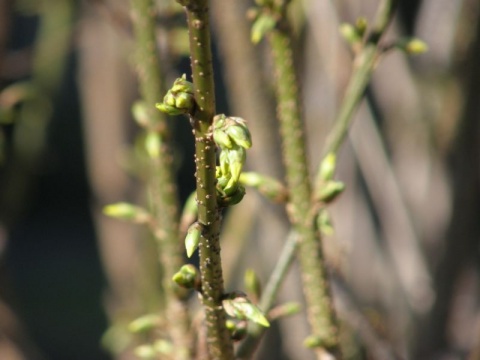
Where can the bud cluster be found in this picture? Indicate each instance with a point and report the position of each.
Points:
(232, 136)
(179, 99)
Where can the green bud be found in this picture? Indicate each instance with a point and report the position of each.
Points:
(238, 306)
(224, 163)
(182, 85)
(169, 99)
(219, 121)
(127, 211)
(193, 238)
(312, 342)
(240, 135)
(327, 167)
(413, 46)
(179, 99)
(222, 139)
(330, 190)
(236, 159)
(230, 200)
(153, 144)
(144, 323)
(145, 352)
(140, 113)
(252, 283)
(262, 25)
(324, 223)
(187, 277)
(184, 101)
(361, 25)
(163, 347)
(167, 109)
(350, 33)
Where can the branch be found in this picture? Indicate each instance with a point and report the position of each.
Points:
(219, 343)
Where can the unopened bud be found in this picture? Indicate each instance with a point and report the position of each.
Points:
(145, 352)
(187, 277)
(127, 211)
(312, 341)
(238, 306)
(236, 159)
(234, 199)
(327, 167)
(350, 33)
(163, 347)
(222, 139)
(182, 85)
(144, 323)
(262, 25)
(140, 113)
(184, 101)
(414, 46)
(153, 144)
(324, 223)
(252, 283)
(239, 133)
(193, 238)
(330, 190)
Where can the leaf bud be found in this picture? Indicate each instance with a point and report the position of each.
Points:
(361, 25)
(127, 211)
(234, 199)
(167, 109)
(240, 135)
(140, 113)
(187, 277)
(252, 283)
(153, 144)
(238, 306)
(236, 159)
(184, 101)
(182, 85)
(324, 223)
(327, 167)
(414, 46)
(350, 33)
(144, 323)
(222, 139)
(145, 352)
(262, 25)
(193, 238)
(330, 190)
(312, 341)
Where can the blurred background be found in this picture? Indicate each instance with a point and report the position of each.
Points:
(405, 252)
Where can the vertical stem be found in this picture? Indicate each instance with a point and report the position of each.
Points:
(161, 185)
(219, 343)
(314, 276)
